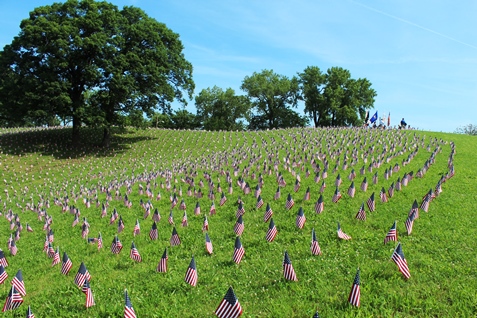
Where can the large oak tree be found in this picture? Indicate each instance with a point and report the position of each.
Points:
(123, 60)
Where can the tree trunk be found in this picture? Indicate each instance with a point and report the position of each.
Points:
(75, 140)
(106, 137)
(315, 119)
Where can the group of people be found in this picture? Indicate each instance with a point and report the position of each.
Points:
(382, 125)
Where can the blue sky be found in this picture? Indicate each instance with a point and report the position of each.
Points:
(420, 56)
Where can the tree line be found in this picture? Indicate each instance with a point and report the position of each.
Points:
(89, 63)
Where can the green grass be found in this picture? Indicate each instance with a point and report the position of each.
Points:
(440, 251)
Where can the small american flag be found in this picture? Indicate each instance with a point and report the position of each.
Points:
(100, 241)
(156, 216)
(355, 292)
(116, 245)
(208, 244)
(371, 203)
(288, 271)
(134, 253)
(319, 206)
(175, 240)
(315, 247)
(300, 219)
(277, 194)
(197, 209)
(409, 222)
(162, 266)
(86, 289)
(3, 274)
(240, 210)
(171, 218)
(392, 234)
(268, 213)
(383, 195)
(307, 194)
(223, 199)
(13, 248)
(391, 190)
(137, 228)
(212, 208)
(290, 203)
(361, 215)
(259, 203)
(191, 273)
(82, 275)
(323, 187)
(66, 264)
(28, 227)
(13, 301)
(342, 235)
(239, 226)
(56, 257)
(297, 186)
(415, 209)
(272, 231)
(120, 224)
(238, 251)
(351, 190)
(182, 206)
(29, 313)
(205, 225)
(338, 180)
(336, 196)
(229, 307)
(3, 260)
(398, 258)
(364, 185)
(128, 308)
(184, 219)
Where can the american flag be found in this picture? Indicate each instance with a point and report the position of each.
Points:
(315, 247)
(288, 271)
(258, 191)
(259, 203)
(205, 225)
(191, 273)
(398, 184)
(319, 206)
(175, 240)
(84, 230)
(383, 195)
(361, 215)
(338, 180)
(229, 307)
(182, 206)
(13, 248)
(300, 218)
(3, 274)
(128, 308)
(409, 222)
(392, 234)
(162, 266)
(375, 178)
(100, 241)
(398, 258)
(137, 228)
(268, 213)
(13, 301)
(120, 224)
(184, 219)
(307, 194)
(197, 209)
(316, 315)
(171, 218)
(116, 245)
(240, 210)
(364, 185)
(272, 231)
(336, 196)
(425, 204)
(66, 264)
(156, 216)
(371, 203)
(239, 226)
(3, 260)
(86, 289)
(51, 236)
(82, 275)
(29, 313)
(351, 190)
(297, 186)
(134, 253)
(208, 244)
(212, 208)
(75, 221)
(223, 199)
(28, 227)
(391, 190)
(147, 212)
(355, 292)
(342, 235)
(290, 203)
(238, 251)
(352, 175)
(51, 250)
(323, 187)
(56, 257)
(415, 209)
(277, 194)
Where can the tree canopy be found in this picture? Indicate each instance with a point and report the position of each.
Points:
(121, 60)
(222, 110)
(334, 98)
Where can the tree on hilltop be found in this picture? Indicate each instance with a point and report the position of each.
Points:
(122, 60)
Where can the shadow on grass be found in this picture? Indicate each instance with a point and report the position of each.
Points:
(56, 142)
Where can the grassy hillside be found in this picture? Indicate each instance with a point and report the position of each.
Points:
(39, 169)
